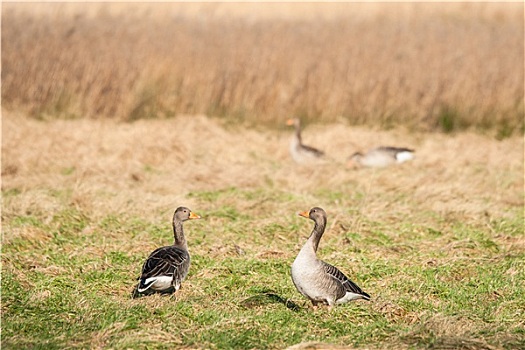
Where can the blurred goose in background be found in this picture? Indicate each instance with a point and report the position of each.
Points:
(317, 280)
(166, 268)
(302, 153)
(381, 157)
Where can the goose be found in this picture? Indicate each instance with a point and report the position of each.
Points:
(381, 157)
(166, 267)
(317, 280)
(302, 153)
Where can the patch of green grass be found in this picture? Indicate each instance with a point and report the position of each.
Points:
(68, 170)
(212, 196)
(514, 226)
(70, 221)
(27, 220)
(433, 284)
(12, 192)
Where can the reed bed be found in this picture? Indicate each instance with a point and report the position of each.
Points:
(424, 66)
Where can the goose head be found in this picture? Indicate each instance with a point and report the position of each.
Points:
(318, 215)
(295, 122)
(354, 160)
(183, 214)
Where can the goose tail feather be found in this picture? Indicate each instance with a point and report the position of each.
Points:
(144, 285)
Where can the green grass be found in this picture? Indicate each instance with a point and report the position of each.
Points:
(67, 279)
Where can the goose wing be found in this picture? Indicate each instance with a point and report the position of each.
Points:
(395, 150)
(400, 154)
(346, 284)
(168, 261)
(313, 150)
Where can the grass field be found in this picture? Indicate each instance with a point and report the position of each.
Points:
(438, 243)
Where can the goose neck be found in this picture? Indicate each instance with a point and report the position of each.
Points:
(317, 233)
(298, 132)
(178, 234)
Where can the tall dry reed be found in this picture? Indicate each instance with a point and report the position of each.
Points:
(426, 66)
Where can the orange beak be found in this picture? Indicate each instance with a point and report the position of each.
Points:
(289, 122)
(194, 216)
(304, 214)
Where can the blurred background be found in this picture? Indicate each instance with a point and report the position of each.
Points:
(423, 66)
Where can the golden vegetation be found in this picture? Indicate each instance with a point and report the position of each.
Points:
(427, 66)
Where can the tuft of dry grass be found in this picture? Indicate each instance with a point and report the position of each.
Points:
(422, 65)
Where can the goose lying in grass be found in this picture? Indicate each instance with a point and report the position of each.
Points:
(302, 153)
(317, 280)
(381, 157)
(166, 267)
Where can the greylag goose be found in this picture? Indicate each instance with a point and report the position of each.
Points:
(317, 280)
(302, 153)
(381, 157)
(166, 267)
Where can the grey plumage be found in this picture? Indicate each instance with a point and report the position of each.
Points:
(317, 280)
(382, 157)
(300, 152)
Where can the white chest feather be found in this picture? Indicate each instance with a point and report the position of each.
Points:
(305, 275)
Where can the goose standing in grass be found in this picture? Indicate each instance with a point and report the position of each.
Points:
(317, 280)
(166, 268)
(381, 157)
(302, 153)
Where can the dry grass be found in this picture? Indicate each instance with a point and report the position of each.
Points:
(427, 66)
(155, 164)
